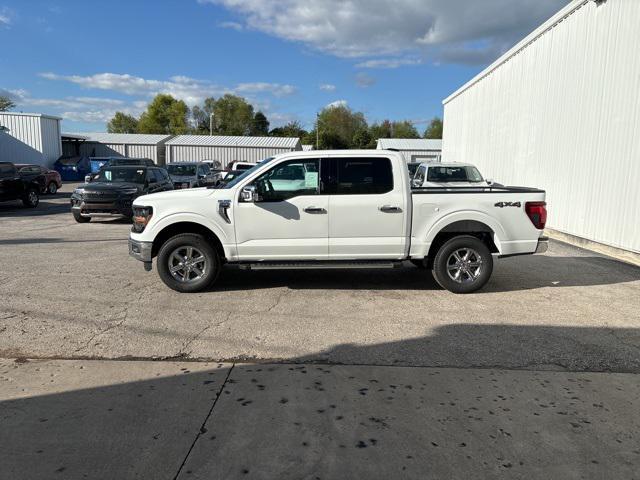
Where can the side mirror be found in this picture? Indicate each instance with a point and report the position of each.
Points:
(87, 178)
(249, 194)
(489, 181)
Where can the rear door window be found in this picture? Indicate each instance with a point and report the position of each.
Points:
(361, 176)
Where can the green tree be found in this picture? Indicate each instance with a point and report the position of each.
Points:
(362, 139)
(404, 129)
(381, 130)
(165, 115)
(434, 129)
(6, 104)
(338, 126)
(291, 129)
(232, 115)
(122, 123)
(260, 125)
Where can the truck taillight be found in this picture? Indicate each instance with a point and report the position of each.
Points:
(537, 213)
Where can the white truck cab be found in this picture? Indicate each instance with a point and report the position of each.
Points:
(335, 209)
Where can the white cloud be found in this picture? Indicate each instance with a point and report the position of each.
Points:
(327, 87)
(389, 63)
(364, 81)
(454, 30)
(191, 90)
(337, 103)
(231, 25)
(6, 17)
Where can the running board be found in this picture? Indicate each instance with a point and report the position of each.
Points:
(317, 265)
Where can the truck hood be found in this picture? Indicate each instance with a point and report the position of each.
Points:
(175, 195)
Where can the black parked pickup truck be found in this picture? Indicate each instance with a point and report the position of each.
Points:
(14, 187)
(113, 190)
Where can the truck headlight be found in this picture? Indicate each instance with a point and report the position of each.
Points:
(141, 217)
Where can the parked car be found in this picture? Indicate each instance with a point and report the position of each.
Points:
(15, 187)
(237, 165)
(448, 174)
(72, 169)
(335, 209)
(49, 180)
(98, 163)
(113, 190)
(190, 174)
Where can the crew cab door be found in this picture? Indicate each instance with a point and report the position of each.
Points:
(288, 219)
(367, 209)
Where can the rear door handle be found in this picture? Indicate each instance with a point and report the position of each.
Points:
(390, 209)
(315, 210)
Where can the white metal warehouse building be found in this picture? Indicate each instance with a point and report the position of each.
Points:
(135, 145)
(414, 149)
(188, 148)
(30, 138)
(561, 111)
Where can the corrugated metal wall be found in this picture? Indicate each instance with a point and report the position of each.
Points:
(191, 153)
(31, 139)
(563, 114)
(420, 155)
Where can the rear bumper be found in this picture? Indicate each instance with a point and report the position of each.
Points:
(141, 250)
(543, 245)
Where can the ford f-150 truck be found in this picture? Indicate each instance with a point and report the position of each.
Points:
(335, 209)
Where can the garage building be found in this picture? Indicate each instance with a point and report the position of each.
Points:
(188, 148)
(414, 149)
(561, 111)
(135, 145)
(29, 138)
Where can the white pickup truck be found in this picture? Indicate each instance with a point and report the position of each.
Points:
(335, 209)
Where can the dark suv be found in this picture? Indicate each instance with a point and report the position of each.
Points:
(190, 174)
(14, 187)
(113, 190)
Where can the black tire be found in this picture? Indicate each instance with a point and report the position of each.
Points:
(52, 188)
(32, 198)
(210, 266)
(80, 219)
(472, 272)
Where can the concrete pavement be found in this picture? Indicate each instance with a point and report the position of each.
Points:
(164, 420)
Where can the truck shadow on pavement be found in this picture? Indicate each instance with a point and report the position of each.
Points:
(509, 274)
(49, 205)
(313, 418)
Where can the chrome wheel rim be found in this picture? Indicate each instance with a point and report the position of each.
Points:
(464, 265)
(187, 264)
(53, 188)
(33, 198)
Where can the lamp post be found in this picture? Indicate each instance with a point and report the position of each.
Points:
(211, 123)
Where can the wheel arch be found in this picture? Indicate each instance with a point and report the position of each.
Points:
(177, 228)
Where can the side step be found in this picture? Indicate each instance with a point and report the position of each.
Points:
(317, 265)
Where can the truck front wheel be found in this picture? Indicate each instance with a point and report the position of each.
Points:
(188, 263)
(463, 264)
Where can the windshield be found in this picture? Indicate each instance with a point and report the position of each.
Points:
(181, 169)
(453, 174)
(121, 175)
(246, 173)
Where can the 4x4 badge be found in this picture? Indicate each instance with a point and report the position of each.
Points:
(508, 204)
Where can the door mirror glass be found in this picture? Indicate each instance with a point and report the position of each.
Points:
(249, 194)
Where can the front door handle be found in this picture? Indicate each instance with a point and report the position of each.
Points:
(390, 209)
(315, 210)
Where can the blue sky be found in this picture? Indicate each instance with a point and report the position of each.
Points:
(85, 59)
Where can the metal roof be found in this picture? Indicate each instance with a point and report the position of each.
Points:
(228, 141)
(21, 114)
(74, 136)
(121, 138)
(409, 144)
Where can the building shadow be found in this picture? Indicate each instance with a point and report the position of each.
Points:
(335, 414)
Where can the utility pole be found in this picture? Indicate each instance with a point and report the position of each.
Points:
(211, 123)
(317, 131)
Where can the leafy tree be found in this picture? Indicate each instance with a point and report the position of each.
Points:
(404, 129)
(6, 104)
(434, 129)
(362, 139)
(381, 130)
(260, 125)
(291, 129)
(122, 123)
(165, 115)
(201, 116)
(338, 125)
(232, 115)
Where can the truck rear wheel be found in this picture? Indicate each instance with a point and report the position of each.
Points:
(463, 264)
(31, 199)
(188, 263)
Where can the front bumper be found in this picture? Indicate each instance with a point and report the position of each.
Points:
(141, 250)
(543, 245)
(121, 206)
